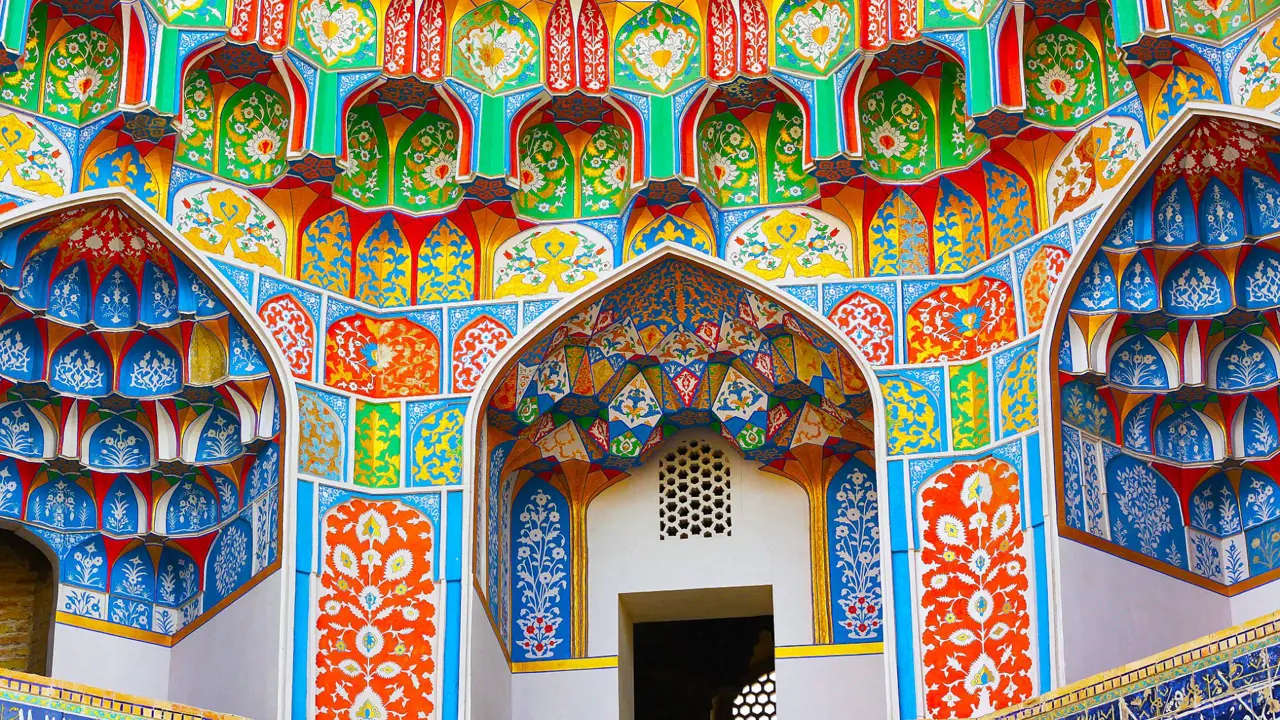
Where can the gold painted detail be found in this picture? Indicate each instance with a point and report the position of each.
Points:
(34, 691)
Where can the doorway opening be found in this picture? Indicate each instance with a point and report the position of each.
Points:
(713, 669)
(28, 588)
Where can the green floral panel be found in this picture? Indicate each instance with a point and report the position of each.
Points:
(192, 13)
(366, 182)
(1063, 78)
(958, 242)
(897, 132)
(1119, 81)
(547, 179)
(814, 36)
(970, 413)
(427, 165)
(495, 48)
(606, 171)
(1214, 19)
(337, 33)
(898, 238)
(377, 444)
(446, 266)
(326, 253)
(788, 181)
(955, 14)
(956, 145)
(727, 162)
(82, 76)
(21, 88)
(657, 51)
(251, 145)
(196, 127)
(383, 265)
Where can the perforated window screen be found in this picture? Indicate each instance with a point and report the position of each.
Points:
(693, 484)
(756, 701)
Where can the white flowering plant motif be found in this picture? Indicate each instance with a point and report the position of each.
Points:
(1144, 512)
(155, 372)
(1194, 290)
(121, 449)
(856, 549)
(541, 571)
(496, 52)
(15, 354)
(233, 554)
(79, 371)
(16, 437)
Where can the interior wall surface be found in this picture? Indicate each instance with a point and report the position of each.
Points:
(231, 663)
(832, 688)
(112, 662)
(768, 546)
(565, 695)
(490, 678)
(1115, 612)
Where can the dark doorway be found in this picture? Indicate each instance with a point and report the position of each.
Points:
(688, 670)
(27, 589)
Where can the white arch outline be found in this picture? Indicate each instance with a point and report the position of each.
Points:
(1056, 318)
(566, 309)
(277, 368)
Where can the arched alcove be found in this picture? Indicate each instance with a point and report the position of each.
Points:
(144, 423)
(1161, 377)
(28, 591)
(566, 444)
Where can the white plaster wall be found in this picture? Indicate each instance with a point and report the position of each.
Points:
(1253, 604)
(232, 663)
(110, 662)
(566, 695)
(769, 546)
(832, 688)
(490, 678)
(1115, 612)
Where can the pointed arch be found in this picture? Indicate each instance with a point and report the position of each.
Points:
(573, 454)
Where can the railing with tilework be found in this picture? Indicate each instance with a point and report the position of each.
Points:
(40, 698)
(1227, 675)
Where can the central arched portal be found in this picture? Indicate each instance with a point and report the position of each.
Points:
(677, 444)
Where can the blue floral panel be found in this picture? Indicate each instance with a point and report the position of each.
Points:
(1145, 513)
(21, 351)
(119, 444)
(177, 580)
(69, 298)
(1140, 363)
(1138, 291)
(1214, 507)
(188, 508)
(81, 368)
(1121, 236)
(1245, 362)
(1254, 430)
(133, 575)
(1263, 544)
(1195, 287)
(63, 504)
(84, 565)
(1185, 437)
(1221, 216)
(194, 297)
(1096, 292)
(1262, 197)
(229, 565)
(264, 473)
(1176, 217)
(853, 536)
(216, 436)
(129, 612)
(121, 508)
(159, 296)
(540, 569)
(10, 489)
(151, 368)
(115, 305)
(25, 432)
(1259, 498)
(1137, 427)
